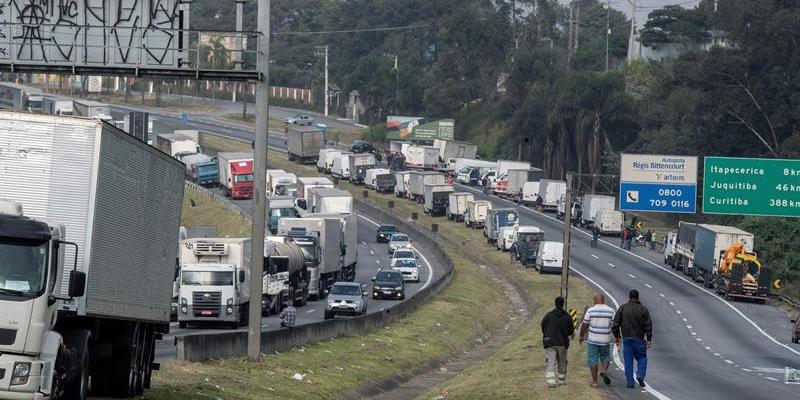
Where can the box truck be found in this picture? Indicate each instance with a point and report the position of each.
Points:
(497, 218)
(551, 191)
(56, 105)
(93, 236)
(16, 97)
(591, 204)
(724, 259)
(421, 157)
(324, 251)
(306, 183)
(417, 181)
(435, 199)
(402, 180)
(454, 149)
(279, 207)
(176, 144)
(610, 222)
(330, 201)
(371, 177)
(236, 174)
(340, 168)
(515, 179)
(527, 239)
(91, 109)
(304, 143)
(325, 159)
(457, 205)
(476, 213)
(359, 164)
(277, 181)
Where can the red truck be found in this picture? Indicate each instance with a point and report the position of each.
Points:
(236, 174)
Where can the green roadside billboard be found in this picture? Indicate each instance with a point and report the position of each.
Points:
(751, 186)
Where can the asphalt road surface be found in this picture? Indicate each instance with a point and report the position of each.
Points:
(703, 347)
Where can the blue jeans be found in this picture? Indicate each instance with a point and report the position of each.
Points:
(634, 348)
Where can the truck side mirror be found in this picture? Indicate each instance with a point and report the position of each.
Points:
(241, 276)
(77, 284)
(343, 249)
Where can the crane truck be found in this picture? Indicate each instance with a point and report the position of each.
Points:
(93, 236)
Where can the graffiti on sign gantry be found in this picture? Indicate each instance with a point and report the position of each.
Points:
(92, 32)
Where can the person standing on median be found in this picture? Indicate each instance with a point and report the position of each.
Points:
(556, 331)
(596, 331)
(633, 325)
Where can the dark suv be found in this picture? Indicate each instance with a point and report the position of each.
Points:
(384, 233)
(360, 146)
(389, 285)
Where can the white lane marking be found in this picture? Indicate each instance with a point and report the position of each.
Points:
(699, 339)
(672, 304)
(679, 312)
(363, 242)
(708, 348)
(717, 354)
(371, 252)
(648, 285)
(632, 276)
(310, 311)
(617, 361)
(747, 370)
(694, 333)
(377, 261)
(630, 253)
(771, 378)
(688, 327)
(685, 320)
(595, 257)
(662, 295)
(264, 326)
(424, 259)
(612, 265)
(173, 324)
(728, 361)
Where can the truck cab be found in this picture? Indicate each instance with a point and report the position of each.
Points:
(527, 239)
(207, 173)
(278, 212)
(243, 177)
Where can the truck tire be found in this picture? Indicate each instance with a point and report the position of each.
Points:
(244, 314)
(78, 389)
(126, 355)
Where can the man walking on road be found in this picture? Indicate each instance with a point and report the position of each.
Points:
(556, 331)
(633, 325)
(596, 330)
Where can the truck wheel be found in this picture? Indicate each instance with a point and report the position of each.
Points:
(78, 389)
(125, 366)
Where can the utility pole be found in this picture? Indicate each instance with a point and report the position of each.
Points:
(631, 38)
(238, 54)
(327, 90)
(577, 25)
(567, 239)
(571, 32)
(608, 28)
(260, 202)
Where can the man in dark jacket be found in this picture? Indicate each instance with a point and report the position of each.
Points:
(632, 323)
(556, 331)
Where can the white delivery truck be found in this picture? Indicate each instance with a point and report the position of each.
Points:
(91, 109)
(176, 144)
(325, 249)
(278, 182)
(371, 177)
(422, 157)
(214, 281)
(530, 192)
(285, 280)
(93, 239)
(435, 198)
(512, 183)
(551, 191)
(610, 222)
(325, 160)
(417, 181)
(454, 149)
(457, 205)
(402, 180)
(550, 257)
(56, 105)
(359, 164)
(349, 246)
(306, 183)
(476, 213)
(340, 168)
(330, 201)
(594, 203)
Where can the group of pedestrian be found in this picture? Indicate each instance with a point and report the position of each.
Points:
(630, 327)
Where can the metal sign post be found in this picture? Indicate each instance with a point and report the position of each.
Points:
(260, 187)
(567, 238)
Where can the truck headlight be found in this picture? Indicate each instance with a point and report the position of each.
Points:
(22, 371)
(230, 301)
(184, 302)
(229, 310)
(184, 309)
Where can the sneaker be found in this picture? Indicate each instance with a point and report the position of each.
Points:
(641, 382)
(606, 379)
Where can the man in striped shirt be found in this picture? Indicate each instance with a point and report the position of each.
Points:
(596, 331)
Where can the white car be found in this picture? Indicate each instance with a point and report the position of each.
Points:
(398, 241)
(403, 253)
(408, 267)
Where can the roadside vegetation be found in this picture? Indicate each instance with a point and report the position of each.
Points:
(199, 210)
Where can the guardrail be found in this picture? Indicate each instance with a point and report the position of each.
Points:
(206, 346)
(223, 201)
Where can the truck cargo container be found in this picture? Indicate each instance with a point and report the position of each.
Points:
(504, 165)
(497, 218)
(91, 109)
(724, 259)
(56, 105)
(454, 149)
(421, 157)
(176, 144)
(385, 183)
(435, 198)
(22, 98)
(305, 183)
(325, 267)
(304, 143)
(551, 191)
(370, 177)
(325, 159)
(402, 180)
(214, 281)
(277, 181)
(285, 280)
(683, 259)
(236, 174)
(349, 238)
(610, 222)
(201, 169)
(517, 178)
(417, 181)
(340, 168)
(330, 201)
(457, 205)
(110, 239)
(591, 204)
(530, 192)
(473, 175)
(476, 213)
(359, 164)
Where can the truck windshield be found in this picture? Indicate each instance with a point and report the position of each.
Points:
(207, 278)
(208, 169)
(22, 267)
(506, 219)
(243, 178)
(530, 237)
(35, 104)
(309, 253)
(283, 212)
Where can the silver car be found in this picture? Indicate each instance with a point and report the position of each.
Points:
(397, 241)
(299, 119)
(346, 298)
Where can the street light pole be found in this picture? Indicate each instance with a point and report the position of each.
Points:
(326, 91)
(260, 202)
(567, 239)
(608, 28)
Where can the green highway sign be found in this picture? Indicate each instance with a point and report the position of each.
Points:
(751, 186)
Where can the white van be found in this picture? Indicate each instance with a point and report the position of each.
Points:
(550, 257)
(370, 177)
(341, 166)
(669, 250)
(609, 222)
(530, 191)
(505, 238)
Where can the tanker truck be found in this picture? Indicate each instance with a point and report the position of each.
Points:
(286, 274)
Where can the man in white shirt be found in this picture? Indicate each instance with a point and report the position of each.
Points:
(596, 331)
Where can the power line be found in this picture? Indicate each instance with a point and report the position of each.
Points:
(393, 28)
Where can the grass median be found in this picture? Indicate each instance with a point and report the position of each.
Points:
(199, 210)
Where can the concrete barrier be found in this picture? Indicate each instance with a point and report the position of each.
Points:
(207, 346)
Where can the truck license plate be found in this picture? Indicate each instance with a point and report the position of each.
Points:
(205, 312)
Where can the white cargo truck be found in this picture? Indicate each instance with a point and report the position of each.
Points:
(476, 213)
(325, 160)
(454, 149)
(176, 144)
(422, 157)
(359, 164)
(329, 201)
(435, 198)
(93, 239)
(594, 203)
(610, 222)
(326, 259)
(277, 181)
(551, 191)
(515, 179)
(340, 168)
(306, 183)
(530, 192)
(16, 97)
(349, 247)
(417, 181)
(214, 281)
(371, 177)
(402, 180)
(457, 205)
(91, 109)
(56, 105)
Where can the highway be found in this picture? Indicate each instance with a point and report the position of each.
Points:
(703, 347)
